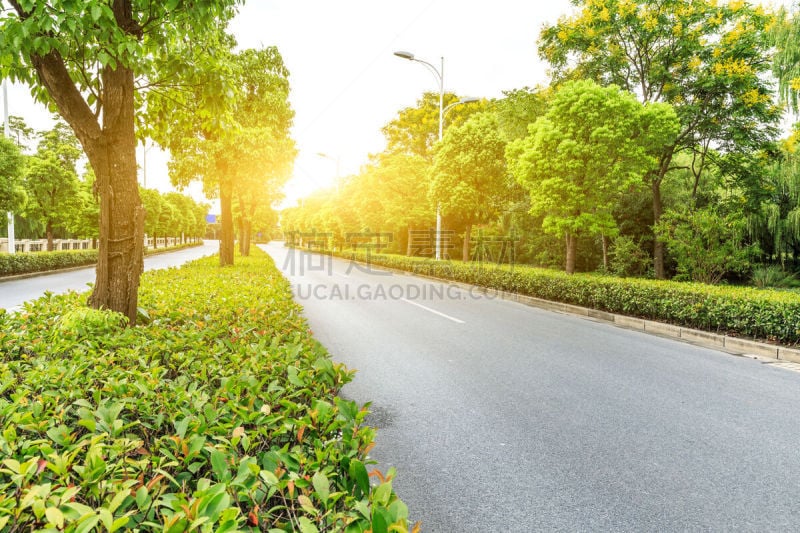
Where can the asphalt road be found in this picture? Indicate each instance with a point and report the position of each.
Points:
(505, 418)
(13, 293)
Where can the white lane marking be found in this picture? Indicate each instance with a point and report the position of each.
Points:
(434, 311)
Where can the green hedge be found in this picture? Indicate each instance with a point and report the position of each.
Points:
(218, 413)
(771, 315)
(27, 263)
(13, 264)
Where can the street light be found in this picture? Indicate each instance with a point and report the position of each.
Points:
(439, 73)
(465, 100)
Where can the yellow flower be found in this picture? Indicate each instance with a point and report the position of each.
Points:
(751, 97)
(626, 7)
(795, 84)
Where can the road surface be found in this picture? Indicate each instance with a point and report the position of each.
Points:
(14, 292)
(502, 417)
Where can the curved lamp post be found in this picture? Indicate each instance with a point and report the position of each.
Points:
(439, 74)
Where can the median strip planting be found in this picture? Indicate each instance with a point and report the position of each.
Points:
(218, 413)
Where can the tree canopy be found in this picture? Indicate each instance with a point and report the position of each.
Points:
(12, 193)
(89, 60)
(247, 152)
(593, 144)
(706, 59)
(468, 173)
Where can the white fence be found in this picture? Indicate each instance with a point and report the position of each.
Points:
(40, 245)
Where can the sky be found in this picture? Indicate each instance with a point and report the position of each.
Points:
(346, 83)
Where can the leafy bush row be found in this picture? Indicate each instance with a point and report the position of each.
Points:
(218, 414)
(763, 314)
(13, 264)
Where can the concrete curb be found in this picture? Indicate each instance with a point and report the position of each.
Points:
(706, 339)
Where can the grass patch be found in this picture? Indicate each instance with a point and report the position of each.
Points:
(219, 413)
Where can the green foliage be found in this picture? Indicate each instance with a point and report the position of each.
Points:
(785, 32)
(27, 263)
(12, 193)
(247, 154)
(87, 322)
(519, 108)
(415, 130)
(85, 221)
(93, 35)
(53, 190)
(220, 414)
(594, 144)
(772, 276)
(708, 59)
(742, 311)
(390, 194)
(775, 223)
(13, 264)
(469, 170)
(627, 258)
(706, 244)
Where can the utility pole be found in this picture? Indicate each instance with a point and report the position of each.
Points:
(12, 243)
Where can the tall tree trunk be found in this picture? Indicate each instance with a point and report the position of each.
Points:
(658, 245)
(605, 253)
(572, 244)
(226, 241)
(111, 150)
(465, 246)
(49, 232)
(113, 159)
(245, 229)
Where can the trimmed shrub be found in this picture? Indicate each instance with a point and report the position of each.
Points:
(12, 264)
(28, 263)
(218, 413)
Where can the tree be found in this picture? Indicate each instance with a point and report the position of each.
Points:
(12, 193)
(709, 61)
(20, 131)
(775, 225)
(786, 63)
(84, 59)
(153, 204)
(85, 222)
(53, 193)
(518, 108)
(249, 141)
(593, 145)
(415, 130)
(468, 173)
(706, 243)
(51, 180)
